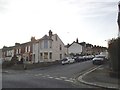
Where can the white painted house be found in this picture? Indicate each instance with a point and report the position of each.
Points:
(75, 48)
(49, 48)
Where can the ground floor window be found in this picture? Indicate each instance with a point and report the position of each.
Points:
(26, 58)
(41, 55)
(50, 56)
(45, 55)
(60, 56)
(30, 58)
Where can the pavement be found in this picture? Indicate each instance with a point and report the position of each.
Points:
(99, 77)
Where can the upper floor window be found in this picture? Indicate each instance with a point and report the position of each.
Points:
(45, 43)
(19, 51)
(60, 47)
(28, 48)
(50, 44)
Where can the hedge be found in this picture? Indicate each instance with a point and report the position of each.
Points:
(114, 50)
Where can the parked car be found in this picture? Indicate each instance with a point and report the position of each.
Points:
(98, 60)
(89, 57)
(79, 59)
(67, 60)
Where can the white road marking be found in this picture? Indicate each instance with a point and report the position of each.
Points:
(38, 74)
(50, 77)
(55, 77)
(58, 78)
(68, 80)
(63, 77)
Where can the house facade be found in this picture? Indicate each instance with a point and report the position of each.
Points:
(75, 48)
(23, 50)
(7, 53)
(46, 49)
(49, 48)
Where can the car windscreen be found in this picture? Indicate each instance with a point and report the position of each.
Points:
(65, 59)
(100, 57)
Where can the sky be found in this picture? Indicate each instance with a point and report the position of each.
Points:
(91, 21)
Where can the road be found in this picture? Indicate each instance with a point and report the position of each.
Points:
(57, 76)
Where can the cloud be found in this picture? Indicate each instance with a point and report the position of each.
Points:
(3, 4)
(94, 8)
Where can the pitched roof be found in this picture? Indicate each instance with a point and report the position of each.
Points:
(46, 37)
(73, 43)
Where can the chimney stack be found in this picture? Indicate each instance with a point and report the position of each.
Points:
(50, 33)
(33, 39)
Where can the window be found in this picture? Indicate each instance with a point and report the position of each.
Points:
(45, 55)
(34, 57)
(45, 44)
(19, 51)
(28, 48)
(50, 55)
(41, 55)
(50, 44)
(60, 56)
(26, 58)
(60, 47)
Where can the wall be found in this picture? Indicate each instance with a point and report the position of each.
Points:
(0, 53)
(75, 48)
(56, 48)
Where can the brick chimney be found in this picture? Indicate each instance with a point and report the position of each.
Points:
(50, 33)
(16, 44)
(33, 39)
(77, 40)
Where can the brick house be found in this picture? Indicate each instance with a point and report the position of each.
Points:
(23, 50)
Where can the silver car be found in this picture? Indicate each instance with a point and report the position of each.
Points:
(67, 60)
(98, 60)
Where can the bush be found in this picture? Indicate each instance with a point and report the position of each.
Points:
(114, 50)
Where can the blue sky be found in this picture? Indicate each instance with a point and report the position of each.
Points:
(92, 21)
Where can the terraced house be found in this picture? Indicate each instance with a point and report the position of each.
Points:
(7, 53)
(46, 49)
(23, 50)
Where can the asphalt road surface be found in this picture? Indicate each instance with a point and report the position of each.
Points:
(56, 76)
